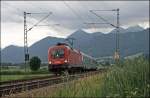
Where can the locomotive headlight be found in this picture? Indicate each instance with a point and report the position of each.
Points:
(65, 61)
(50, 62)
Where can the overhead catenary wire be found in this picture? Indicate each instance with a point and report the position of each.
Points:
(38, 13)
(78, 16)
(20, 10)
(53, 26)
(89, 17)
(116, 55)
(107, 22)
(38, 21)
(26, 51)
(45, 22)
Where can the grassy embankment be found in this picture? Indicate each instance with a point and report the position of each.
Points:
(129, 78)
(14, 73)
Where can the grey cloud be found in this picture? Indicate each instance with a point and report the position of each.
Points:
(129, 12)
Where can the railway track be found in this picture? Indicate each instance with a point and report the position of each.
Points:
(25, 85)
(24, 80)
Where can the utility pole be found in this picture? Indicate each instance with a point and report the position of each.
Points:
(116, 54)
(26, 50)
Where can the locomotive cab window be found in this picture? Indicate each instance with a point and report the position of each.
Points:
(59, 53)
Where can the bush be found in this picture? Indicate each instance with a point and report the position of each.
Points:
(35, 63)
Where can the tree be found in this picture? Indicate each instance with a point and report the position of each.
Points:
(35, 63)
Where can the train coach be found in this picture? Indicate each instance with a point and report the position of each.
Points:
(64, 58)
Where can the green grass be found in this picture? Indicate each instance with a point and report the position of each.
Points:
(126, 79)
(88, 87)
(10, 77)
(19, 71)
(18, 77)
(15, 73)
(129, 79)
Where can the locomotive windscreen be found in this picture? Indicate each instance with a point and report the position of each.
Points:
(59, 53)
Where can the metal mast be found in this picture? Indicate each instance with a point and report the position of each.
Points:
(26, 50)
(116, 55)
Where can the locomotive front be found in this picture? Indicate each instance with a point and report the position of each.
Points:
(57, 58)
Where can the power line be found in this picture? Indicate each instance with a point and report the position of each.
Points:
(50, 25)
(94, 23)
(92, 11)
(38, 21)
(89, 17)
(116, 55)
(74, 12)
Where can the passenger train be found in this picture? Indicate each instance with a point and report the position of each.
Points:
(62, 57)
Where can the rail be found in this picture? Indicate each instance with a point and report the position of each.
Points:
(12, 88)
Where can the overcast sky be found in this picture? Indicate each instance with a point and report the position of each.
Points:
(66, 18)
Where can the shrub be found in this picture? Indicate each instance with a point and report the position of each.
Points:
(35, 63)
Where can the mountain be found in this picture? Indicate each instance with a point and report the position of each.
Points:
(94, 44)
(81, 37)
(40, 48)
(97, 34)
(79, 34)
(12, 54)
(15, 54)
(121, 30)
(136, 28)
(134, 42)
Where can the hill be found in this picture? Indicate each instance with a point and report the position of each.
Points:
(94, 44)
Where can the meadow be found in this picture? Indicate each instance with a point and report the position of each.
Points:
(16, 73)
(129, 78)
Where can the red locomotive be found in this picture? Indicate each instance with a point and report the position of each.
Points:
(62, 57)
